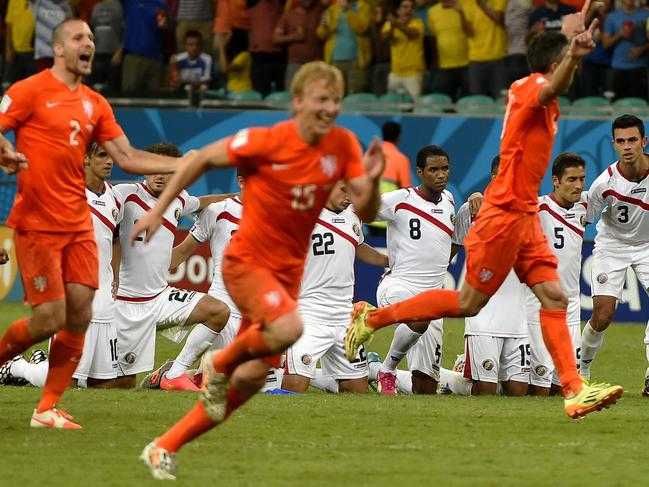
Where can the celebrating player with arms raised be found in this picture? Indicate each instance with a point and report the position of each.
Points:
(290, 169)
(54, 118)
(507, 232)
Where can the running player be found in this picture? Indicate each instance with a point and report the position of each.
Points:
(420, 221)
(145, 302)
(621, 195)
(54, 118)
(290, 169)
(563, 220)
(325, 300)
(507, 232)
(497, 346)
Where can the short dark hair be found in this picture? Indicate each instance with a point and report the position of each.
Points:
(193, 33)
(544, 49)
(93, 148)
(565, 160)
(627, 121)
(495, 164)
(57, 32)
(165, 149)
(391, 131)
(430, 151)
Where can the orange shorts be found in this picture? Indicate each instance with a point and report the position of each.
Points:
(261, 295)
(48, 260)
(501, 240)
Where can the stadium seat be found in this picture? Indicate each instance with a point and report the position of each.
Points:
(250, 95)
(394, 97)
(632, 105)
(362, 102)
(433, 103)
(477, 105)
(564, 101)
(279, 99)
(590, 106)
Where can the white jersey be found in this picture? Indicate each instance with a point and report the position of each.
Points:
(504, 314)
(327, 286)
(217, 223)
(143, 267)
(106, 215)
(564, 229)
(624, 206)
(419, 236)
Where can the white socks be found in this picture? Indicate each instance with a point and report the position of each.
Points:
(35, 374)
(404, 380)
(591, 342)
(455, 381)
(197, 342)
(402, 341)
(324, 383)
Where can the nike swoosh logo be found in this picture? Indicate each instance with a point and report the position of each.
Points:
(52, 104)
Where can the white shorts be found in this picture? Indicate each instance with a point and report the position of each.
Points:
(325, 343)
(542, 372)
(137, 324)
(426, 355)
(99, 356)
(608, 272)
(497, 359)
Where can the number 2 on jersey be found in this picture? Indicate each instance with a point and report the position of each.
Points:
(76, 128)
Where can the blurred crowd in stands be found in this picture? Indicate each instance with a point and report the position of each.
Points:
(455, 47)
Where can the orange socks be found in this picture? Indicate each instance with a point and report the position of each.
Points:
(15, 340)
(429, 305)
(196, 422)
(246, 346)
(65, 354)
(557, 340)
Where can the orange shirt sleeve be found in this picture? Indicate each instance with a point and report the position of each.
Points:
(16, 106)
(249, 147)
(107, 127)
(354, 157)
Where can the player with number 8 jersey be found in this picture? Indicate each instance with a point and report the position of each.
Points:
(54, 117)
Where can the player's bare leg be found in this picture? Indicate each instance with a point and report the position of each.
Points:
(533, 390)
(210, 316)
(592, 336)
(355, 386)
(483, 388)
(514, 388)
(295, 382)
(423, 383)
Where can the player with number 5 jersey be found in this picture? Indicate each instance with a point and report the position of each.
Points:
(290, 169)
(54, 117)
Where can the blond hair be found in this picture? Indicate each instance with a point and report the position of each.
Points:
(315, 71)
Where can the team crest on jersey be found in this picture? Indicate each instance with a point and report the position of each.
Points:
(40, 283)
(328, 165)
(357, 229)
(115, 213)
(602, 278)
(453, 218)
(306, 359)
(541, 370)
(485, 275)
(582, 221)
(177, 214)
(488, 364)
(87, 108)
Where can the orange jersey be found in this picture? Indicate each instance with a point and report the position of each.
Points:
(397, 166)
(526, 146)
(53, 126)
(287, 184)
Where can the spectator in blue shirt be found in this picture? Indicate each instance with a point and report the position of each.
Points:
(191, 67)
(548, 17)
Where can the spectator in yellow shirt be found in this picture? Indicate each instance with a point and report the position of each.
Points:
(235, 60)
(19, 46)
(406, 35)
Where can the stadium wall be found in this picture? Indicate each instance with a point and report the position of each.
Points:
(471, 143)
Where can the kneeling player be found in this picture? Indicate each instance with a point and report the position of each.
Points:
(325, 300)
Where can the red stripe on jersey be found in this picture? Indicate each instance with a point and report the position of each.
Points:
(545, 207)
(467, 360)
(425, 216)
(137, 300)
(626, 199)
(146, 188)
(102, 218)
(610, 170)
(236, 200)
(182, 200)
(138, 201)
(441, 196)
(224, 215)
(349, 238)
(617, 166)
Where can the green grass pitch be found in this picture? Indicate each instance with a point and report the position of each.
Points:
(327, 440)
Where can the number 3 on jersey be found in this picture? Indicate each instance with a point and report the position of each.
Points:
(303, 197)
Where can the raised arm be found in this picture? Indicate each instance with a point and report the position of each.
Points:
(138, 161)
(364, 190)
